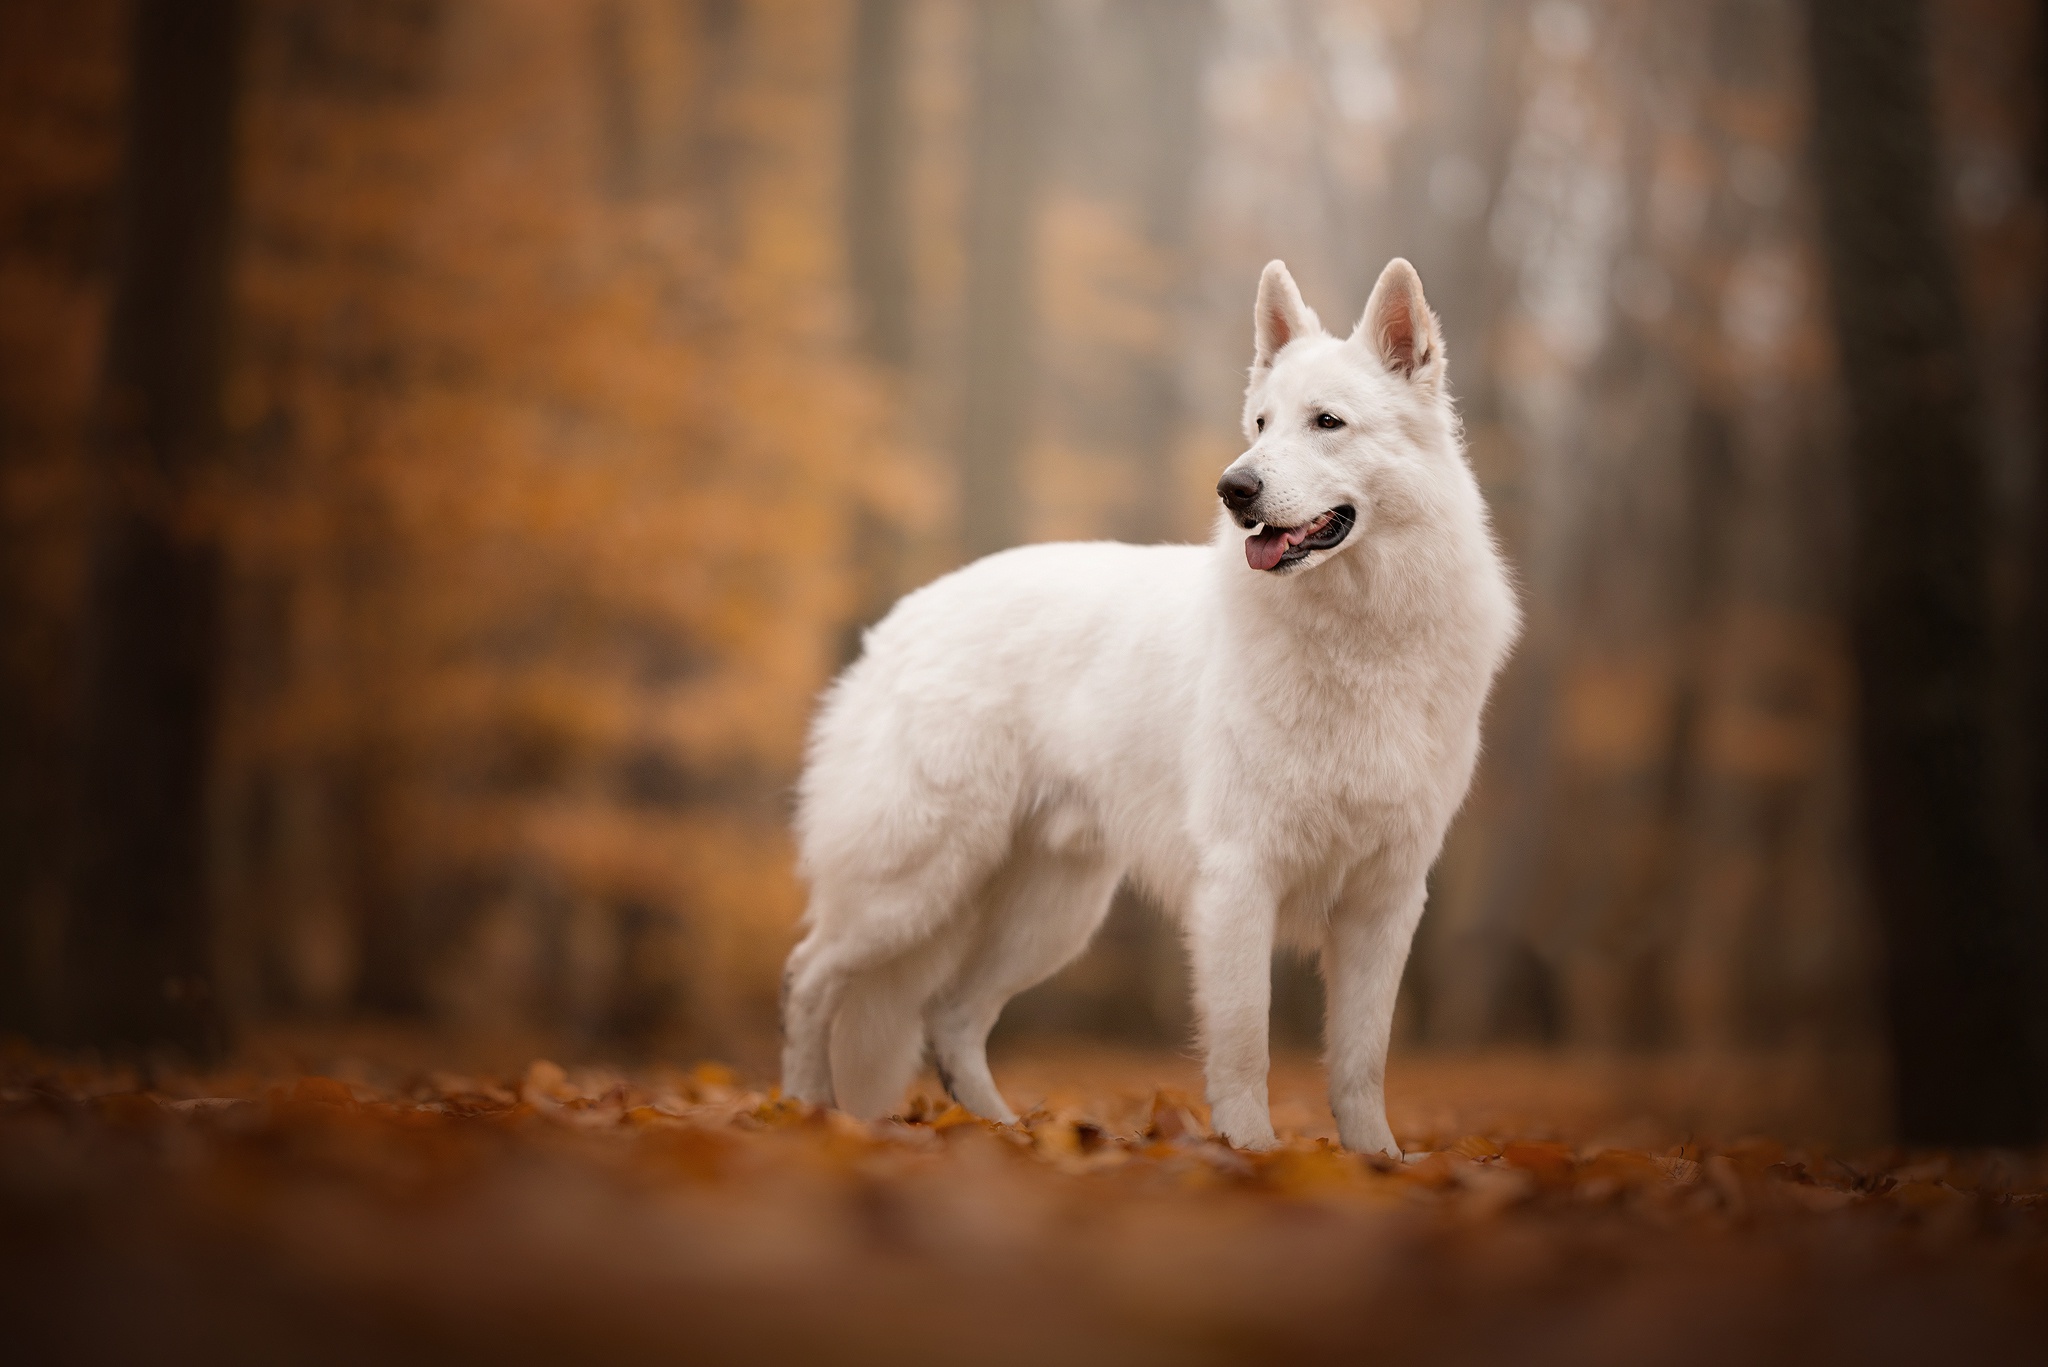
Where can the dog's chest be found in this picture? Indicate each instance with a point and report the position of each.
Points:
(1358, 732)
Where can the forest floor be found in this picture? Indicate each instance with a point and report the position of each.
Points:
(311, 1210)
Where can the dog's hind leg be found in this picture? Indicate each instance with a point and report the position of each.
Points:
(1040, 912)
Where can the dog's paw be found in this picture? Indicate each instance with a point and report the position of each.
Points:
(1248, 1128)
(1368, 1134)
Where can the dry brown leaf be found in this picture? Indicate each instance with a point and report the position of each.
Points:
(1476, 1146)
(1549, 1162)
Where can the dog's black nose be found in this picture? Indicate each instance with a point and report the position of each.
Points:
(1238, 488)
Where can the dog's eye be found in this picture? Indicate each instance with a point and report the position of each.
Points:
(1259, 424)
(1329, 422)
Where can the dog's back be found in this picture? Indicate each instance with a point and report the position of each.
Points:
(1039, 678)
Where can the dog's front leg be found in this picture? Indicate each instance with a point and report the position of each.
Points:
(1363, 955)
(1230, 943)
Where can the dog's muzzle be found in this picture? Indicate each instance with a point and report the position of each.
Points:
(1278, 548)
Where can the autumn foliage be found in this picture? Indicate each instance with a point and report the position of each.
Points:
(598, 369)
(691, 1215)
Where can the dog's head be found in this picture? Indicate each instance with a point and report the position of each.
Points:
(1346, 433)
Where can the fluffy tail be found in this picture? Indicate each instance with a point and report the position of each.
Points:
(877, 1041)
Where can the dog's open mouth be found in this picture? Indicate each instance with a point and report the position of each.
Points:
(1272, 548)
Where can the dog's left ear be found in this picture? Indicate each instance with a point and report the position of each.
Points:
(1398, 326)
(1279, 316)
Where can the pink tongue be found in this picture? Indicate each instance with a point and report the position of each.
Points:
(1263, 550)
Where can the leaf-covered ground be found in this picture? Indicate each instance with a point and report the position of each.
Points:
(671, 1215)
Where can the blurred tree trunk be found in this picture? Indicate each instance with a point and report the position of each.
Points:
(137, 947)
(60, 73)
(1172, 49)
(1005, 154)
(2034, 621)
(1962, 963)
(878, 264)
(877, 175)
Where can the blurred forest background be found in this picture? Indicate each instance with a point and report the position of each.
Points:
(567, 382)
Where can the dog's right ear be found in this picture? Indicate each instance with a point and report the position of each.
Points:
(1280, 316)
(1398, 326)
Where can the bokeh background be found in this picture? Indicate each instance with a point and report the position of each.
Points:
(587, 373)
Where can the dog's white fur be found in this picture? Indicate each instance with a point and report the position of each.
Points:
(1269, 754)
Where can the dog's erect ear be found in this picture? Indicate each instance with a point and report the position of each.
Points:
(1279, 316)
(1398, 326)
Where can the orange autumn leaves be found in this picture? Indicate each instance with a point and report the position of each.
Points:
(604, 1214)
(1135, 1135)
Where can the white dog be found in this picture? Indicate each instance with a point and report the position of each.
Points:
(1270, 739)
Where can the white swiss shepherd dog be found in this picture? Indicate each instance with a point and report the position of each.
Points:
(1268, 734)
